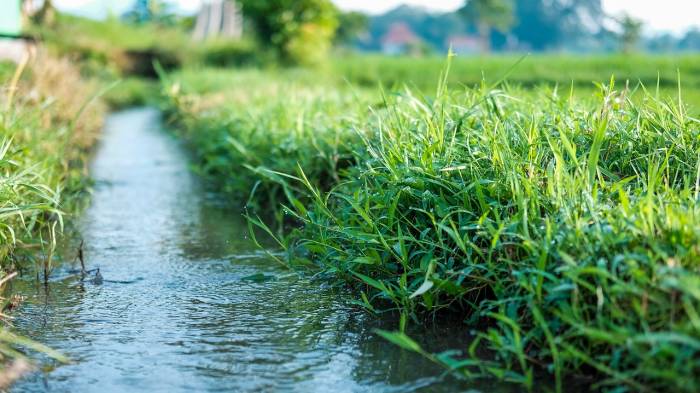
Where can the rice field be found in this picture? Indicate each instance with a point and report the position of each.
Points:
(559, 222)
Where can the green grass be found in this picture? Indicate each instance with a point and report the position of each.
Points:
(46, 132)
(532, 70)
(562, 228)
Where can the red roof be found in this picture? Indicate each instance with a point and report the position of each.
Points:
(400, 34)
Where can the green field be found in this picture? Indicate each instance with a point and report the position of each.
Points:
(524, 69)
(561, 225)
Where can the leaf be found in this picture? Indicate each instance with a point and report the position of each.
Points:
(400, 339)
(427, 284)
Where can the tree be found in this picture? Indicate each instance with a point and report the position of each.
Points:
(489, 15)
(145, 11)
(46, 14)
(550, 24)
(691, 40)
(630, 32)
(350, 26)
(301, 31)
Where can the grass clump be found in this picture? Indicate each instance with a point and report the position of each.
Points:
(564, 232)
(246, 130)
(47, 128)
(566, 236)
(46, 133)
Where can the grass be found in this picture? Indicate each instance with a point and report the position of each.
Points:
(562, 228)
(46, 133)
(534, 70)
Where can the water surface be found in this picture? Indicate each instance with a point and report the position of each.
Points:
(177, 311)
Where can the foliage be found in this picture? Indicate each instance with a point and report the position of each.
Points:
(630, 32)
(487, 15)
(46, 132)
(433, 28)
(691, 40)
(350, 26)
(554, 24)
(300, 30)
(149, 11)
(528, 25)
(562, 231)
(47, 129)
(230, 53)
(111, 49)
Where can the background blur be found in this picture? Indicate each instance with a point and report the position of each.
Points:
(417, 26)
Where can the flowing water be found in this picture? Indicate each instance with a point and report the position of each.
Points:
(189, 304)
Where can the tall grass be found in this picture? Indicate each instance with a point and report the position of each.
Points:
(46, 132)
(564, 233)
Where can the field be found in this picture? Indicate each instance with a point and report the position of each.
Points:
(559, 223)
(524, 69)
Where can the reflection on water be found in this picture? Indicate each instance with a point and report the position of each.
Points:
(175, 313)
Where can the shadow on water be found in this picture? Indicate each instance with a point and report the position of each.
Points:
(175, 312)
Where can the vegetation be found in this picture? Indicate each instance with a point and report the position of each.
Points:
(563, 231)
(533, 70)
(112, 49)
(301, 31)
(555, 216)
(631, 33)
(46, 132)
(488, 15)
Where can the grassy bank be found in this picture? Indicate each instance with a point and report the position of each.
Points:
(46, 133)
(562, 230)
(49, 124)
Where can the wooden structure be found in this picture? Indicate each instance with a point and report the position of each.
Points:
(219, 18)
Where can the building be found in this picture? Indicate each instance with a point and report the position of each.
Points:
(465, 44)
(399, 40)
(219, 18)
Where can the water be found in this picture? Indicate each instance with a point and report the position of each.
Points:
(176, 312)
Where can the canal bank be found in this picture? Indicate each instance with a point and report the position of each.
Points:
(189, 304)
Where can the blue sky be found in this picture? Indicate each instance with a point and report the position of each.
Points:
(667, 15)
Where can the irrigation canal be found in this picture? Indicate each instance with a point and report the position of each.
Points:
(188, 304)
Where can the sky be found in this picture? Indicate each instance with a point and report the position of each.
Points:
(674, 16)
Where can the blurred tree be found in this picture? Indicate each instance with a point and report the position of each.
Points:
(489, 15)
(664, 42)
(691, 40)
(630, 33)
(350, 26)
(433, 28)
(301, 31)
(551, 24)
(46, 14)
(145, 11)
